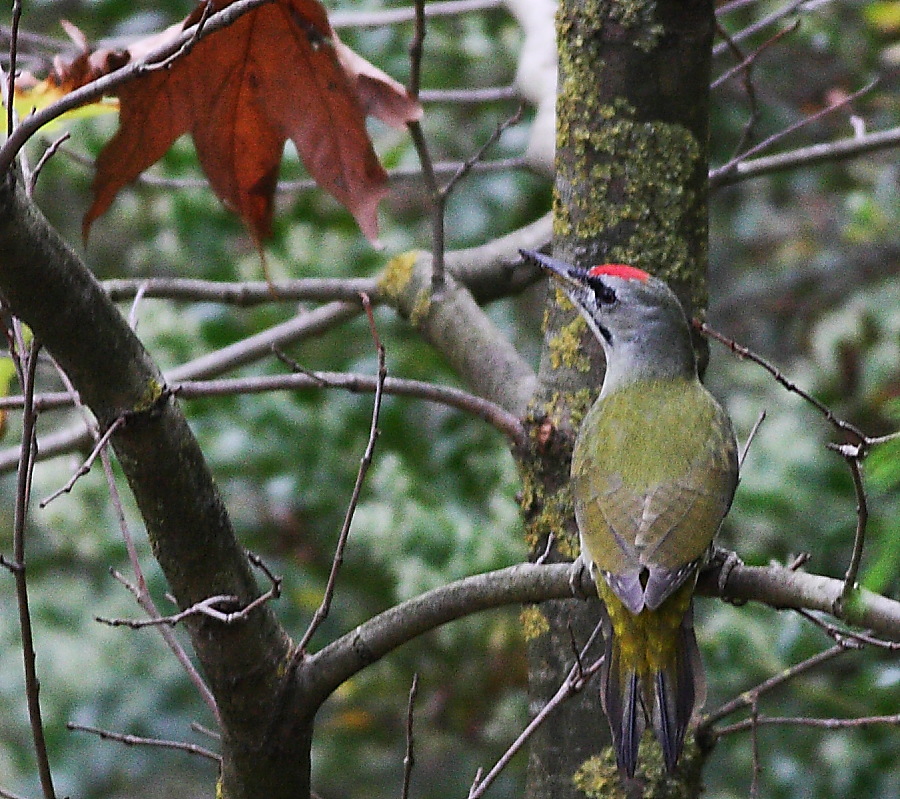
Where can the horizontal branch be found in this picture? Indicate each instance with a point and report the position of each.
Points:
(453, 397)
(434, 8)
(804, 156)
(138, 740)
(246, 294)
(776, 586)
(504, 421)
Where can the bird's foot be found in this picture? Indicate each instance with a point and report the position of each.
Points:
(726, 560)
(580, 580)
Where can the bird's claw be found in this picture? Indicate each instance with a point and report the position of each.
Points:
(579, 578)
(728, 560)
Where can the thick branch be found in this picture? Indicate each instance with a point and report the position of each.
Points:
(776, 586)
(454, 323)
(44, 283)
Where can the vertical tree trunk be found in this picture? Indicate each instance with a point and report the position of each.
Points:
(631, 187)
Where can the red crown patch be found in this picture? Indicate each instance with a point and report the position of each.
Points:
(619, 270)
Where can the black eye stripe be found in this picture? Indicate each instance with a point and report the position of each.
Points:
(604, 294)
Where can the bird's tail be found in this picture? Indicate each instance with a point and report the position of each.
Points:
(652, 670)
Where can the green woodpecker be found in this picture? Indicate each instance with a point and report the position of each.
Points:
(654, 471)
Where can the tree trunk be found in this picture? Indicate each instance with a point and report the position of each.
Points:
(631, 187)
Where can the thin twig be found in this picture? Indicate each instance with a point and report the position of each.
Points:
(744, 352)
(137, 740)
(86, 466)
(467, 165)
(135, 304)
(205, 607)
(45, 157)
(575, 681)
(322, 611)
(802, 721)
(746, 64)
(11, 77)
(409, 759)
(754, 744)
(840, 635)
(416, 49)
(187, 46)
(504, 421)
(478, 96)
(765, 144)
(862, 517)
(197, 727)
(437, 202)
(803, 156)
(750, 436)
(23, 493)
(760, 24)
(139, 591)
(747, 698)
(392, 16)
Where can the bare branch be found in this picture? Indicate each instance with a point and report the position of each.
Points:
(746, 66)
(23, 494)
(750, 436)
(205, 607)
(489, 94)
(760, 24)
(862, 517)
(322, 611)
(13, 68)
(416, 47)
(245, 294)
(765, 144)
(577, 678)
(409, 759)
(506, 422)
(136, 740)
(85, 467)
(841, 635)
(827, 724)
(748, 698)
(804, 156)
(743, 352)
(45, 157)
(434, 8)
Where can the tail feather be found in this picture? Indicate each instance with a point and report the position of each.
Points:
(621, 700)
(652, 668)
(679, 689)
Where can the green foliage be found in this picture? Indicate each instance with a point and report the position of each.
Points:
(803, 268)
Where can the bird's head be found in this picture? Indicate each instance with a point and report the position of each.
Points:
(636, 317)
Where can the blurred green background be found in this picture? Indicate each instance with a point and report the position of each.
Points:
(804, 269)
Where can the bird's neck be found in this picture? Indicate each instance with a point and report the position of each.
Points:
(641, 359)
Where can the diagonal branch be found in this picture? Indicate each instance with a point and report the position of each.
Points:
(45, 284)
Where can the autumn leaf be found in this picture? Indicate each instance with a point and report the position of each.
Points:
(66, 76)
(277, 73)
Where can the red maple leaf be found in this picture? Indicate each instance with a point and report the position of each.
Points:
(277, 73)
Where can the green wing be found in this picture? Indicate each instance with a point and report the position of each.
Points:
(653, 474)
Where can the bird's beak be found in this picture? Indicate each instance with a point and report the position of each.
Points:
(569, 276)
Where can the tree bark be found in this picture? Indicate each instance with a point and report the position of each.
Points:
(631, 187)
(46, 285)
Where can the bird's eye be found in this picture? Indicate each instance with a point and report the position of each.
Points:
(603, 293)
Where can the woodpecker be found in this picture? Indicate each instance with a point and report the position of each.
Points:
(654, 470)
